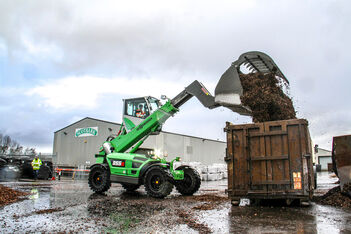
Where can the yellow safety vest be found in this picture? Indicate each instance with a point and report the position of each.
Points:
(36, 164)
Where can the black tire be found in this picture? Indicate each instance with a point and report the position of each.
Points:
(44, 173)
(157, 183)
(99, 179)
(130, 187)
(191, 182)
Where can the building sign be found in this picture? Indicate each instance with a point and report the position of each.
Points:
(85, 132)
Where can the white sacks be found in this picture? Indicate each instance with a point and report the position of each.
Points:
(214, 172)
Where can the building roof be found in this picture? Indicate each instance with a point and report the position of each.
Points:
(120, 124)
(323, 152)
(85, 119)
(324, 149)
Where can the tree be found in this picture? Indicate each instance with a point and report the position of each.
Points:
(30, 151)
(19, 150)
(9, 145)
(7, 141)
(3, 149)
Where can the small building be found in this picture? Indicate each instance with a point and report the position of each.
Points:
(76, 145)
(323, 157)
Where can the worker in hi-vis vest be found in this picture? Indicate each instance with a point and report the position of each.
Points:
(36, 163)
(140, 111)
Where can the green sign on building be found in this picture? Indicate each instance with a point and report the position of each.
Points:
(85, 132)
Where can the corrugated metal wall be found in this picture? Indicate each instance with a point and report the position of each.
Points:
(74, 151)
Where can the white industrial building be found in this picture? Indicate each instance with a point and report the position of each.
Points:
(323, 157)
(76, 144)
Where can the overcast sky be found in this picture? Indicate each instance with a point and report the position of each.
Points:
(61, 61)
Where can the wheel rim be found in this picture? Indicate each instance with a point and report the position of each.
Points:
(97, 178)
(156, 182)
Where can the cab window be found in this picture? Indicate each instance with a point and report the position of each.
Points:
(154, 104)
(137, 108)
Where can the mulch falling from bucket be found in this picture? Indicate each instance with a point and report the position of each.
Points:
(264, 94)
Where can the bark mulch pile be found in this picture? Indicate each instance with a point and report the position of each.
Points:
(264, 94)
(8, 195)
(336, 197)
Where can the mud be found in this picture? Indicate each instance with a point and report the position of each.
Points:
(8, 195)
(191, 221)
(130, 210)
(69, 206)
(263, 93)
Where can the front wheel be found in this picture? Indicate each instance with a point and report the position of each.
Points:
(99, 179)
(191, 182)
(157, 183)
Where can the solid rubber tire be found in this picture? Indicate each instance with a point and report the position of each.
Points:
(192, 185)
(105, 179)
(130, 187)
(165, 188)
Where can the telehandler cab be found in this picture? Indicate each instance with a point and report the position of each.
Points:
(117, 160)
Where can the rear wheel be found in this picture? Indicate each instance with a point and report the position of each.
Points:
(191, 182)
(130, 187)
(157, 183)
(99, 179)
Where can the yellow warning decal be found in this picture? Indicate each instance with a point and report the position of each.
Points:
(297, 180)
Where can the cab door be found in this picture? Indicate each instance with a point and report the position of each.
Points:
(132, 109)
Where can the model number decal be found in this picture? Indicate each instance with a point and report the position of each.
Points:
(118, 163)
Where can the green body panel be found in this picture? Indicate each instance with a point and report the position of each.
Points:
(129, 124)
(178, 174)
(128, 159)
(100, 160)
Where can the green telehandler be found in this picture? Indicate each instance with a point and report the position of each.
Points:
(117, 160)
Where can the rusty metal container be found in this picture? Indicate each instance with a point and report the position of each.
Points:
(341, 155)
(270, 160)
